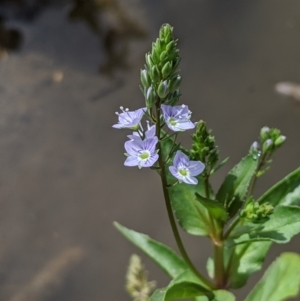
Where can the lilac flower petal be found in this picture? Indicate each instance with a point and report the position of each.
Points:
(190, 180)
(150, 162)
(150, 133)
(196, 168)
(150, 144)
(180, 159)
(133, 146)
(129, 119)
(131, 161)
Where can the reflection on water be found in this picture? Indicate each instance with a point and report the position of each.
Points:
(108, 19)
(10, 39)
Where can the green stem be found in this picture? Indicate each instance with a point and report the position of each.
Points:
(170, 211)
(231, 227)
(220, 276)
(254, 179)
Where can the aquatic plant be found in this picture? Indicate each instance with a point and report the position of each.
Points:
(240, 227)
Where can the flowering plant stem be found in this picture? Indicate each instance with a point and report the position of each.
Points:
(169, 207)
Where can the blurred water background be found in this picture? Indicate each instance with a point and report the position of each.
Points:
(66, 67)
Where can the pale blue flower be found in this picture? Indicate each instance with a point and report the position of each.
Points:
(129, 119)
(185, 170)
(177, 118)
(141, 153)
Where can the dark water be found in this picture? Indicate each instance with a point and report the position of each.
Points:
(66, 67)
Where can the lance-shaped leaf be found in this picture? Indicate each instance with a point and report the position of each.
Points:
(235, 186)
(283, 224)
(164, 256)
(213, 213)
(280, 282)
(220, 295)
(189, 213)
(285, 192)
(185, 285)
(244, 260)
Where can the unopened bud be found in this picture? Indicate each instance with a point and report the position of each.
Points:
(163, 89)
(166, 70)
(155, 76)
(254, 147)
(279, 141)
(148, 60)
(150, 97)
(268, 145)
(264, 133)
(145, 79)
(170, 46)
(163, 56)
(175, 83)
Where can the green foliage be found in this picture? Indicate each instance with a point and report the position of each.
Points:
(219, 295)
(185, 285)
(255, 212)
(164, 256)
(234, 189)
(244, 260)
(204, 146)
(285, 192)
(280, 282)
(283, 224)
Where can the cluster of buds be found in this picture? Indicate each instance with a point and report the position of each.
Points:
(160, 78)
(270, 140)
(204, 146)
(255, 212)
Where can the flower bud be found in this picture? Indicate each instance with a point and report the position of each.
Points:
(254, 147)
(145, 79)
(175, 83)
(170, 46)
(150, 97)
(148, 60)
(163, 56)
(163, 89)
(154, 54)
(279, 141)
(268, 145)
(257, 213)
(165, 33)
(264, 133)
(155, 75)
(166, 70)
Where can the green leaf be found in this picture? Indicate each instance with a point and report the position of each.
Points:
(216, 210)
(158, 295)
(285, 192)
(185, 285)
(220, 295)
(235, 186)
(280, 282)
(190, 214)
(164, 256)
(221, 164)
(283, 224)
(245, 260)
